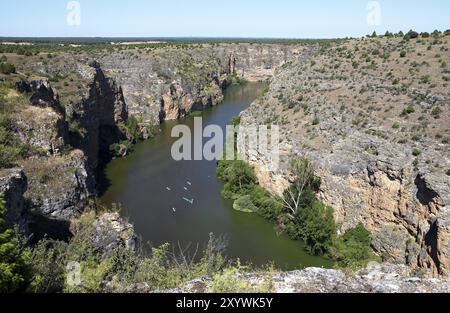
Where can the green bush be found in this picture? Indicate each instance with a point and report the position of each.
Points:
(239, 179)
(416, 152)
(196, 114)
(232, 280)
(236, 80)
(353, 249)
(235, 121)
(121, 149)
(316, 121)
(46, 263)
(244, 204)
(133, 129)
(411, 35)
(11, 148)
(436, 111)
(409, 110)
(448, 172)
(315, 226)
(403, 54)
(12, 263)
(7, 68)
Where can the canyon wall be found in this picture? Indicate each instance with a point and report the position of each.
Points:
(171, 83)
(377, 164)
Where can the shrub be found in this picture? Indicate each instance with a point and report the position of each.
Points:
(353, 249)
(316, 121)
(409, 110)
(436, 111)
(448, 172)
(266, 205)
(196, 114)
(133, 129)
(315, 226)
(244, 204)
(11, 148)
(7, 68)
(416, 152)
(12, 263)
(46, 263)
(239, 179)
(426, 79)
(415, 137)
(411, 35)
(403, 54)
(235, 121)
(121, 149)
(236, 80)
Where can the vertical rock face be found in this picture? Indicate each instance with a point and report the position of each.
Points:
(60, 188)
(61, 183)
(170, 83)
(42, 125)
(99, 117)
(393, 181)
(443, 240)
(13, 184)
(178, 103)
(41, 94)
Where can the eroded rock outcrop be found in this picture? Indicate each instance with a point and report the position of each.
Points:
(60, 187)
(43, 124)
(105, 232)
(13, 185)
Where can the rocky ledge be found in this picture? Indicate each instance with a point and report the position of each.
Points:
(386, 278)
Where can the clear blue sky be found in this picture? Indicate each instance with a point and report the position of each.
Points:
(215, 18)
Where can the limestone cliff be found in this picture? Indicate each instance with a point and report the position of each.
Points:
(62, 179)
(42, 125)
(13, 184)
(379, 149)
(170, 83)
(97, 118)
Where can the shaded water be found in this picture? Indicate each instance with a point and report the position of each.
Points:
(140, 181)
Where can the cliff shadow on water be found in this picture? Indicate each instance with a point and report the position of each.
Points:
(181, 203)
